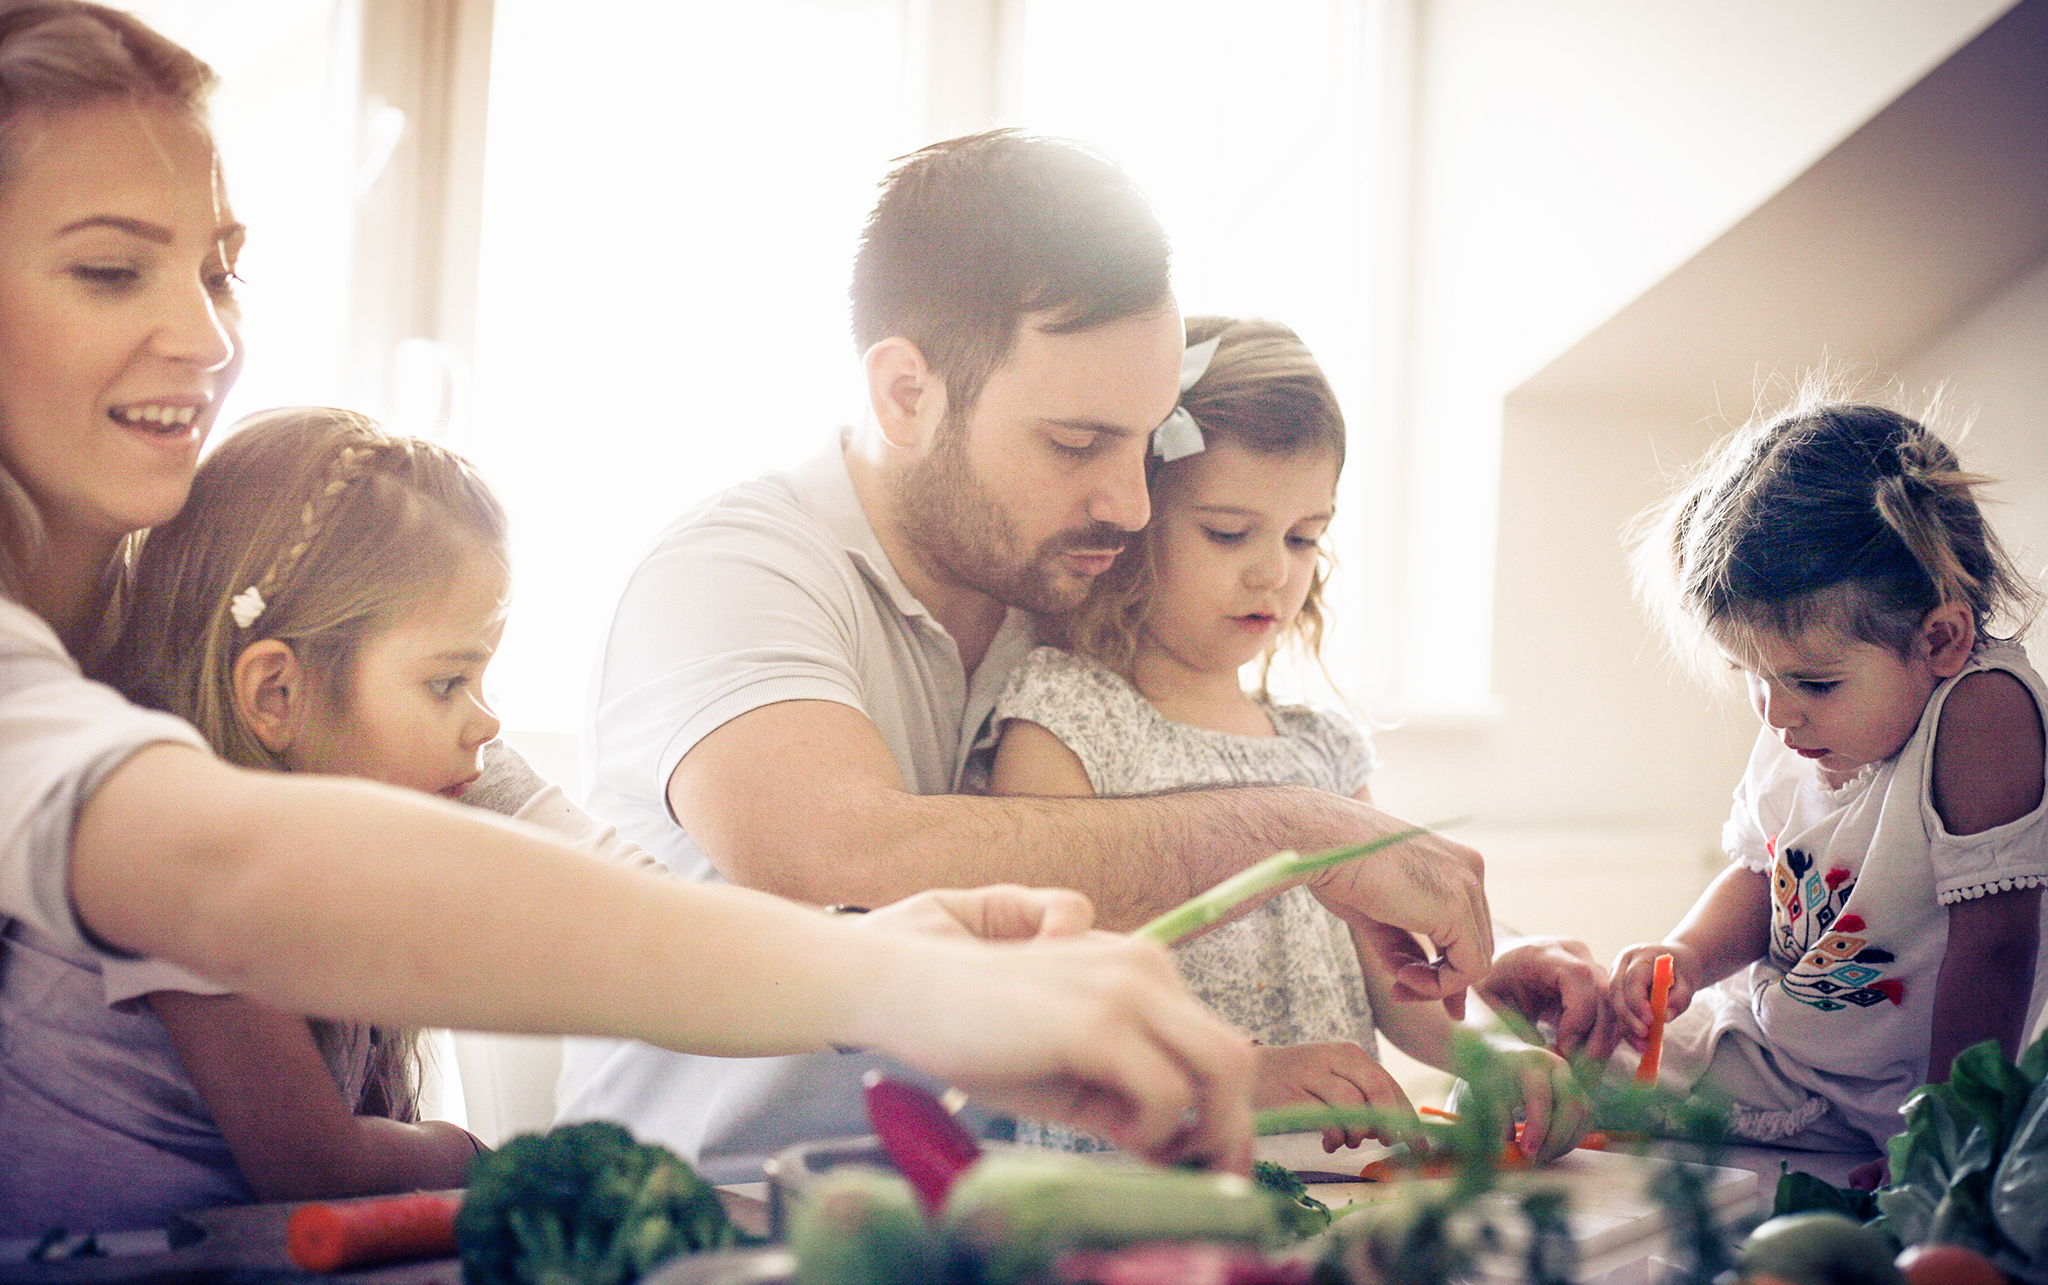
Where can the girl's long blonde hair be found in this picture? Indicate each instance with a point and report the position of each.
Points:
(61, 55)
(317, 528)
(1264, 392)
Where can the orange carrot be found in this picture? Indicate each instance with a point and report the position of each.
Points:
(1396, 1168)
(1439, 1112)
(329, 1237)
(1660, 1004)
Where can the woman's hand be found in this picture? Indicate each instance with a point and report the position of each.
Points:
(1095, 1031)
(1337, 1074)
(999, 912)
(1629, 992)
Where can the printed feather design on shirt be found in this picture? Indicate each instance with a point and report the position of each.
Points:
(1836, 966)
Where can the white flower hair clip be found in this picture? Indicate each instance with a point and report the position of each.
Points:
(1178, 435)
(247, 606)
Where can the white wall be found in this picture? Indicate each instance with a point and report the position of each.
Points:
(1570, 154)
(1993, 372)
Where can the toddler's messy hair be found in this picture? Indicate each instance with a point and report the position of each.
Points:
(1829, 514)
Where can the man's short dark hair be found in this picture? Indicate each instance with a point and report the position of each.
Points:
(973, 233)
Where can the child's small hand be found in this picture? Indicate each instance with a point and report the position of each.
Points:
(1555, 1111)
(1337, 1074)
(1629, 992)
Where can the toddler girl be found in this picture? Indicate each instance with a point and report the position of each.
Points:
(1888, 841)
(1146, 697)
(327, 601)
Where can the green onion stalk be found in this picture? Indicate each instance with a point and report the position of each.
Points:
(1207, 909)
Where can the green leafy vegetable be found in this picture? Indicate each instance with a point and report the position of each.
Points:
(1970, 1166)
(1800, 1193)
(1300, 1213)
(583, 1205)
(1552, 1257)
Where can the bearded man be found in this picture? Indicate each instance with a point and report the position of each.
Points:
(798, 675)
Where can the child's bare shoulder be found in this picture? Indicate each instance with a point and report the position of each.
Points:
(1988, 753)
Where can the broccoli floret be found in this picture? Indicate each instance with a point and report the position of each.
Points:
(583, 1205)
(1300, 1212)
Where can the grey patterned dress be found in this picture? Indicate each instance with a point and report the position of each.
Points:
(1286, 973)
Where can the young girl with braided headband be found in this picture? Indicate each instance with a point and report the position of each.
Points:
(123, 835)
(327, 601)
(1888, 843)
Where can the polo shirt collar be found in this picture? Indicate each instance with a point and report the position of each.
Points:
(825, 487)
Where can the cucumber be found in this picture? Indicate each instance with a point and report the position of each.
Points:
(1015, 1212)
(860, 1226)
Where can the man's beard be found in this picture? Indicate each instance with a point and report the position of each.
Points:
(956, 527)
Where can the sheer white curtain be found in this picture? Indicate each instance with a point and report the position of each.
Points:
(283, 117)
(672, 196)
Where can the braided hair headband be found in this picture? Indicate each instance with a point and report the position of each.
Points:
(248, 606)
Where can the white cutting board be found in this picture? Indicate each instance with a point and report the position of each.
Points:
(1613, 1216)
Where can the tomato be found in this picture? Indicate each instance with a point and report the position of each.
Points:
(1948, 1265)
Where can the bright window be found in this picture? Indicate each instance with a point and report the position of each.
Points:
(283, 118)
(1259, 130)
(672, 196)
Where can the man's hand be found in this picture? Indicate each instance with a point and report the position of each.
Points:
(1555, 983)
(1427, 886)
(999, 912)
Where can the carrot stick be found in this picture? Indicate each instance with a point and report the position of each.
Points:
(329, 1237)
(1660, 1006)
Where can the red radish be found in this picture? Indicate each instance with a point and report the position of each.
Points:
(927, 1144)
(328, 1237)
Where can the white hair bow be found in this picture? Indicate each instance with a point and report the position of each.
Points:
(246, 606)
(1178, 434)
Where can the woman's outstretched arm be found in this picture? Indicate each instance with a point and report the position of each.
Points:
(347, 899)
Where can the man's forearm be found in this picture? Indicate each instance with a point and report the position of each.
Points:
(1133, 857)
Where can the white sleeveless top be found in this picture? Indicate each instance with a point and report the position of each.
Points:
(1861, 881)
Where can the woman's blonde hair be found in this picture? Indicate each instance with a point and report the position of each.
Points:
(1831, 513)
(61, 55)
(319, 529)
(1264, 392)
